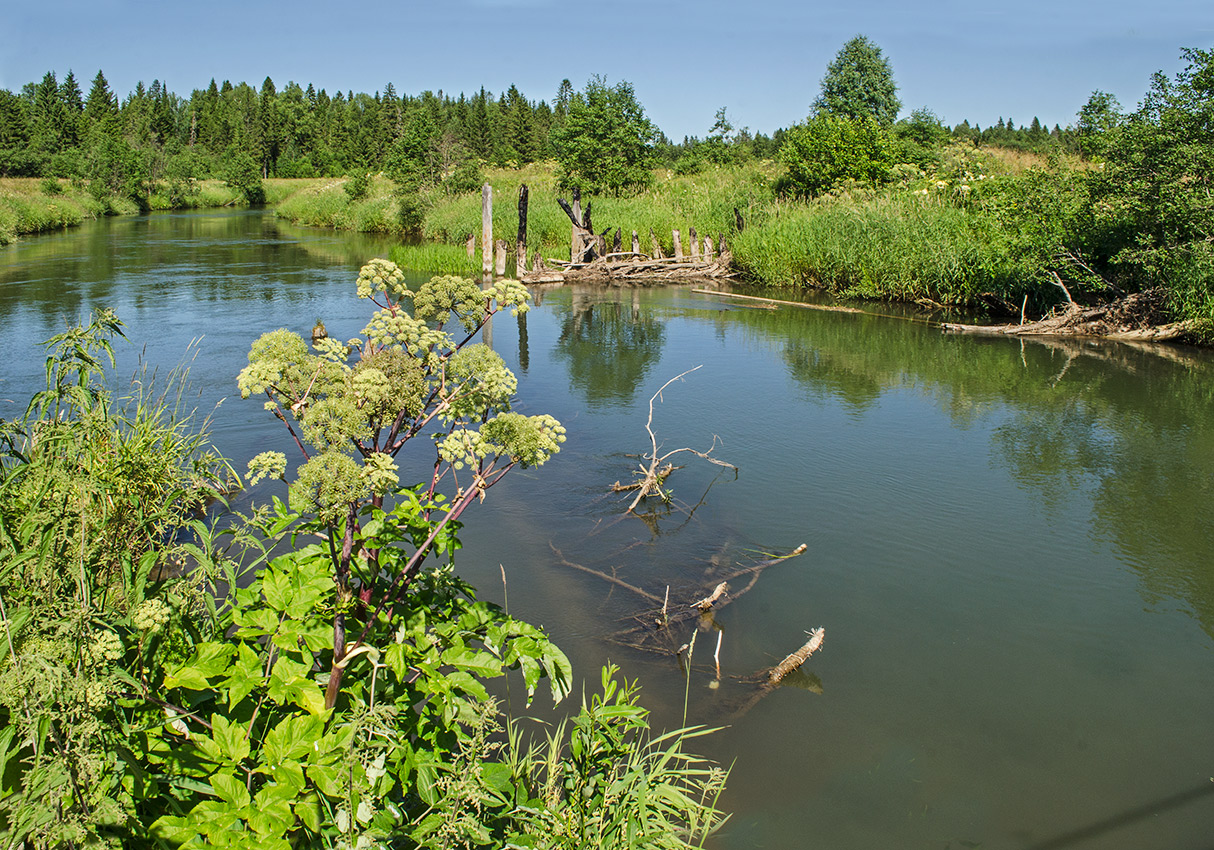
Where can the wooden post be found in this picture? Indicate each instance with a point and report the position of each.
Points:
(694, 245)
(470, 244)
(600, 241)
(678, 245)
(708, 249)
(501, 257)
(655, 246)
(737, 220)
(487, 229)
(575, 237)
(636, 243)
(615, 243)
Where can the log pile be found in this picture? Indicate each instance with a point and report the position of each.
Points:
(591, 261)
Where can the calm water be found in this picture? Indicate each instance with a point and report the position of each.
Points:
(1008, 544)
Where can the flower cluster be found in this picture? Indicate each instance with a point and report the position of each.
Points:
(151, 615)
(381, 276)
(107, 646)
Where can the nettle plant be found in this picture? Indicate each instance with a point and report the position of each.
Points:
(351, 676)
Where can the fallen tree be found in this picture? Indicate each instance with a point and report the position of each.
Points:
(1137, 317)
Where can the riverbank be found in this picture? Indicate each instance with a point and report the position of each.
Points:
(30, 205)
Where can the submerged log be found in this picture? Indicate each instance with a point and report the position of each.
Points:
(795, 659)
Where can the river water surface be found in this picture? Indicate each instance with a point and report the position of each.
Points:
(1008, 544)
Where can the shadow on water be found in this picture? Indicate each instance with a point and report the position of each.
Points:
(1127, 818)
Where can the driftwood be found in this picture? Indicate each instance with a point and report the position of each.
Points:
(794, 660)
(787, 672)
(666, 631)
(654, 475)
(1138, 317)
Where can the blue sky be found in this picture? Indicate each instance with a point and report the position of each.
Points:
(762, 59)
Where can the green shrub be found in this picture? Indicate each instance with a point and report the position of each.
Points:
(830, 149)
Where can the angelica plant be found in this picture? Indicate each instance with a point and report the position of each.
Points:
(352, 407)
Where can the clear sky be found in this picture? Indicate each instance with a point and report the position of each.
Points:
(763, 59)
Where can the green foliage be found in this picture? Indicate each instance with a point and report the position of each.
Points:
(357, 185)
(435, 258)
(1153, 204)
(93, 493)
(606, 143)
(859, 84)
(243, 174)
(920, 138)
(601, 780)
(1097, 120)
(830, 149)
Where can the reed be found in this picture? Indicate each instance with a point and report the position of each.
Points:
(902, 246)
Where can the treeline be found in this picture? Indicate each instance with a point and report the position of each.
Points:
(52, 129)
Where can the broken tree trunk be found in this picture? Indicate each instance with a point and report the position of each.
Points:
(470, 245)
(520, 250)
(636, 243)
(582, 240)
(678, 245)
(655, 247)
(694, 245)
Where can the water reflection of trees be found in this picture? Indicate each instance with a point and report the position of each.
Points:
(608, 342)
(219, 255)
(1133, 427)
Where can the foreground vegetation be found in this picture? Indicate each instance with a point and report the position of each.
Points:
(315, 675)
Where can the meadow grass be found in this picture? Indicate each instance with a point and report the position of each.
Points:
(705, 201)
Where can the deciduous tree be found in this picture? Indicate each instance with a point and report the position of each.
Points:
(607, 143)
(859, 83)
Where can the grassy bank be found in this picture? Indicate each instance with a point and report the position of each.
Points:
(39, 205)
(26, 207)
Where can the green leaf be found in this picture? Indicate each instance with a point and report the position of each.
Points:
(231, 790)
(477, 663)
(229, 738)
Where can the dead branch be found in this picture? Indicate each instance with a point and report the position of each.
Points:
(709, 600)
(795, 659)
(652, 477)
(607, 578)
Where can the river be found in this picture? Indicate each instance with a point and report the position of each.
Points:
(1008, 542)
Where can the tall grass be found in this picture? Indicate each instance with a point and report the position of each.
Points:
(25, 208)
(325, 203)
(902, 246)
(705, 201)
(435, 258)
